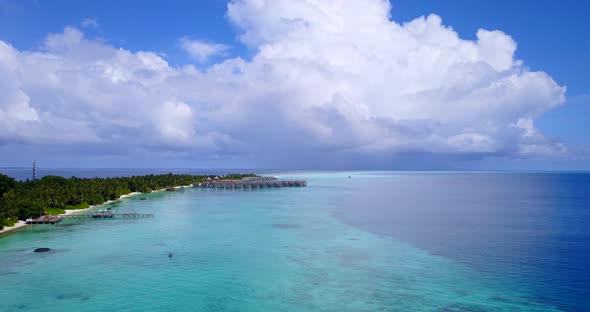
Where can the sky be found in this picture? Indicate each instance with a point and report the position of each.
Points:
(310, 84)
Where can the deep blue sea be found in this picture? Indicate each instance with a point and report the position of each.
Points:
(349, 241)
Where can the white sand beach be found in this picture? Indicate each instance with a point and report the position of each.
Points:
(16, 226)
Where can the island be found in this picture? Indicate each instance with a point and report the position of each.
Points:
(53, 195)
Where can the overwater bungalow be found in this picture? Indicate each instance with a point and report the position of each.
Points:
(259, 179)
(241, 184)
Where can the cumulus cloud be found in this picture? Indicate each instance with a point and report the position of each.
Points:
(330, 84)
(201, 50)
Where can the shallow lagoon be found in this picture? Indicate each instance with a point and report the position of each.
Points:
(325, 247)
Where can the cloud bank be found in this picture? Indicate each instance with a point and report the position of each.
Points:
(329, 85)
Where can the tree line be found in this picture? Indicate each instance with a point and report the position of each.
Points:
(20, 200)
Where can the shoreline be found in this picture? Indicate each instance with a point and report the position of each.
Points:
(8, 229)
(22, 224)
(70, 211)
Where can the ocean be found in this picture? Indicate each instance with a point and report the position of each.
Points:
(349, 241)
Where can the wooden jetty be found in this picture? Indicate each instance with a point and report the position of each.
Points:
(241, 184)
(107, 215)
(99, 215)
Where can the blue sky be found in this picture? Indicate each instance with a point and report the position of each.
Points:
(550, 37)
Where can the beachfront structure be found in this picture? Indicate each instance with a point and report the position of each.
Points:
(259, 179)
(241, 184)
(170, 189)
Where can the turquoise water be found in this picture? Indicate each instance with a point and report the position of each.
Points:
(282, 249)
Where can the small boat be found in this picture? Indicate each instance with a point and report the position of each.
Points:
(143, 198)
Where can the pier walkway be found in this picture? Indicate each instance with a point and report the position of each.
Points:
(104, 215)
(100, 215)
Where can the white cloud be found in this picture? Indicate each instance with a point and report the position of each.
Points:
(202, 51)
(330, 84)
(89, 23)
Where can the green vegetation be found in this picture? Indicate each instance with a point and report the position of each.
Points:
(11, 222)
(234, 176)
(53, 194)
(54, 211)
(83, 205)
(6, 222)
